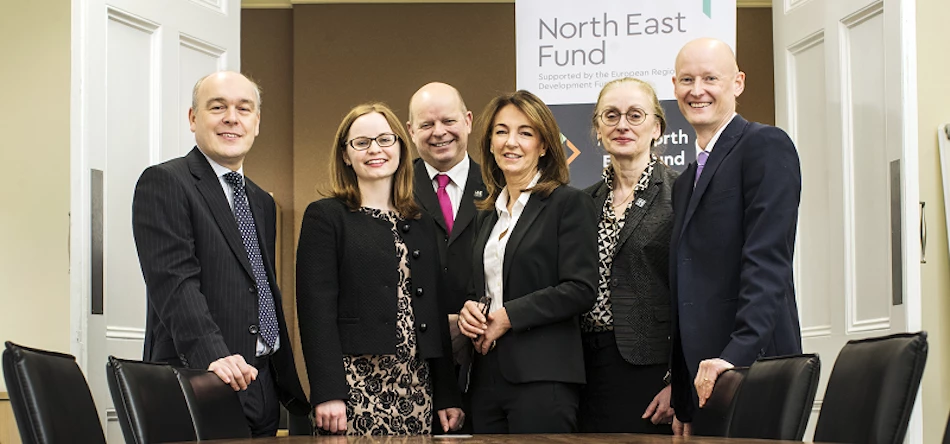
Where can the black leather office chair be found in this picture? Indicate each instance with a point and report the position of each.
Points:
(776, 398)
(717, 413)
(50, 398)
(214, 405)
(872, 390)
(149, 402)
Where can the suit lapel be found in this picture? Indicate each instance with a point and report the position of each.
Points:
(600, 196)
(637, 212)
(426, 195)
(531, 211)
(210, 188)
(466, 212)
(727, 140)
(257, 209)
(256, 197)
(682, 189)
(484, 230)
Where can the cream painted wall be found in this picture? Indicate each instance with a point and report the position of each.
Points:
(933, 72)
(34, 184)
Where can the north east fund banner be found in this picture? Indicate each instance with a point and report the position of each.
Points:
(568, 50)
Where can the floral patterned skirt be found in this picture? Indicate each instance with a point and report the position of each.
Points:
(388, 396)
(391, 394)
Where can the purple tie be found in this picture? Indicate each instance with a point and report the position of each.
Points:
(444, 201)
(700, 163)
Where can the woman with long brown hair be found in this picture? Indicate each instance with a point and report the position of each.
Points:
(535, 273)
(375, 344)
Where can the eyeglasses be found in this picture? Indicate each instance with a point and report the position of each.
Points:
(383, 140)
(611, 117)
(486, 305)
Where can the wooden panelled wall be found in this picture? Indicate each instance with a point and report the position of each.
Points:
(315, 62)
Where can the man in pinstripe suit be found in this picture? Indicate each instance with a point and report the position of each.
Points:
(210, 301)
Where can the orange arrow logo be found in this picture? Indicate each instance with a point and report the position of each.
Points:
(574, 151)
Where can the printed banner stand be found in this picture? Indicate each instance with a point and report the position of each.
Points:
(567, 51)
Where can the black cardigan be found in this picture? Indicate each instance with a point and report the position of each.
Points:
(347, 275)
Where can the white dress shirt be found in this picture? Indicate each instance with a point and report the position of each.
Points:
(458, 176)
(220, 171)
(498, 241)
(715, 137)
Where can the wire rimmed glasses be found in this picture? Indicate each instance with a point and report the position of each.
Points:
(635, 116)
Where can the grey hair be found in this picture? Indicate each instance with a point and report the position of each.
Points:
(194, 91)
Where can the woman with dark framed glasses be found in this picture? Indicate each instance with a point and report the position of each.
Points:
(535, 273)
(375, 344)
(626, 333)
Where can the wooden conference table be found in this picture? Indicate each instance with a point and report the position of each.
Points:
(503, 439)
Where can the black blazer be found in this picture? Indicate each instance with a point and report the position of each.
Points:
(455, 251)
(347, 278)
(731, 254)
(202, 300)
(640, 271)
(550, 279)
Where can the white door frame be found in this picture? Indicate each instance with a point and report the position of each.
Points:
(160, 49)
(901, 96)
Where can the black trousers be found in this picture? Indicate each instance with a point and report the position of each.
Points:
(500, 407)
(617, 392)
(260, 401)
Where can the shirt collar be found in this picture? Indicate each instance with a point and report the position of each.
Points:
(608, 174)
(715, 137)
(501, 204)
(220, 170)
(458, 173)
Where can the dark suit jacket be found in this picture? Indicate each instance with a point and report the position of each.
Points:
(640, 271)
(202, 298)
(731, 255)
(550, 279)
(455, 251)
(347, 279)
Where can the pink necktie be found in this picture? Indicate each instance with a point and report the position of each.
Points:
(444, 201)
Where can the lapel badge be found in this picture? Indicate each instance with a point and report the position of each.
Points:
(640, 202)
(479, 194)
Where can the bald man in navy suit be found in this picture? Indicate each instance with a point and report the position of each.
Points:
(735, 215)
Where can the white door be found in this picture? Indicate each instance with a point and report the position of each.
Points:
(843, 84)
(133, 67)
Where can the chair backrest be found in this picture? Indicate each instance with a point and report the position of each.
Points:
(872, 390)
(149, 402)
(50, 398)
(776, 398)
(214, 405)
(717, 412)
